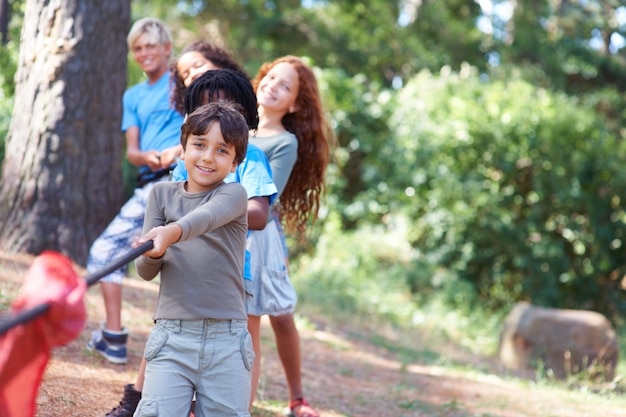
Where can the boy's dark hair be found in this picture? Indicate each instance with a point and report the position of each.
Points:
(223, 84)
(232, 124)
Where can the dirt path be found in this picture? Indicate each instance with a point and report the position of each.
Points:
(344, 374)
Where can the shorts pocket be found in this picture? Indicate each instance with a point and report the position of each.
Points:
(248, 288)
(156, 341)
(247, 352)
(278, 295)
(147, 408)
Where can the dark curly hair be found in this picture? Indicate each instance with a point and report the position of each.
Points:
(223, 84)
(218, 56)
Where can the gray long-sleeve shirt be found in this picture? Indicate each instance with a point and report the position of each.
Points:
(201, 274)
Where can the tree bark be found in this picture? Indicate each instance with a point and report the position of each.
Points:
(62, 173)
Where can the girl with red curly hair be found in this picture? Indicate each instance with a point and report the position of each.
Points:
(295, 135)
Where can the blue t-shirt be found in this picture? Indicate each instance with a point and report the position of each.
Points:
(148, 107)
(254, 173)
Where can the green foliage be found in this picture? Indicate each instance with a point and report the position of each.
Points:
(8, 63)
(359, 112)
(343, 273)
(10, 50)
(574, 43)
(366, 274)
(514, 189)
(6, 107)
(368, 38)
(443, 33)
(8, 66)
(362, 276)
(610, 104)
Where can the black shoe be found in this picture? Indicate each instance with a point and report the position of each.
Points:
(128, 405)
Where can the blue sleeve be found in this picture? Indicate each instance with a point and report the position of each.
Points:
(247, 272)
(255, 174)
(129, 107)
(180, 172)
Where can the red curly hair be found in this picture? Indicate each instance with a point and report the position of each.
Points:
(300, 200)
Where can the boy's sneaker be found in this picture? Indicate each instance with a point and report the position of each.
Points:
(128, 405)
(110, 344)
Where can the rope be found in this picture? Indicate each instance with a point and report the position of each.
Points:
(27, 315)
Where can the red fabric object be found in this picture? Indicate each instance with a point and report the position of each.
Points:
(25, 349)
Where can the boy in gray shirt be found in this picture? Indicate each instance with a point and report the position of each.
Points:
(198, 227)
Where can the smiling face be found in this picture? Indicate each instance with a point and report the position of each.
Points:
(278, 90)
(193, 64)
(208, 159)
(151, 56)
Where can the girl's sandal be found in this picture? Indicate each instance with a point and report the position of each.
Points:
(301, 408)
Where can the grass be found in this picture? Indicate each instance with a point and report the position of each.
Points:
(358, 282)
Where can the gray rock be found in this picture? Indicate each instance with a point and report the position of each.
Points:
(565, 341)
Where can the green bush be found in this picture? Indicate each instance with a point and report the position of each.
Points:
(359, 172)
(361, 273)
(365, 277)
(512, 188)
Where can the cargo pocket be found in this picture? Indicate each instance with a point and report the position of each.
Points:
(147, 408)
(247, 352)
(156, 341)
(248, 288)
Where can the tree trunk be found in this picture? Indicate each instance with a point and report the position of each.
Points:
(62, 173)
